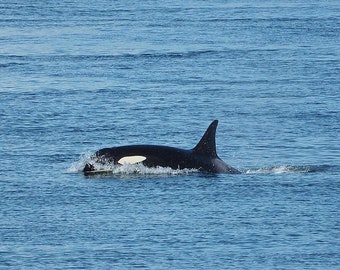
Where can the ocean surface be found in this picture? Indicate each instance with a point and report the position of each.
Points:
(77, 76)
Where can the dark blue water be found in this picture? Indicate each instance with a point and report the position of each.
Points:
(77, 76)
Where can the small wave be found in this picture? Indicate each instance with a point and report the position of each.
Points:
(6, 65)
(288, 169)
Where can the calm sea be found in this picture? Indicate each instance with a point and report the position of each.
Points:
(77, 76)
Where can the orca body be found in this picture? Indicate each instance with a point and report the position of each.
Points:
(202, 157)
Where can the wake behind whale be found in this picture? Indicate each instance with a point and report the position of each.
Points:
(284, 169)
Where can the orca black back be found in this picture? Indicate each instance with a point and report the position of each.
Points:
(202, 157)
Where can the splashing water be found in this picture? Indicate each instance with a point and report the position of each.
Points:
(78, 166)
(126, 169)
(140, 169)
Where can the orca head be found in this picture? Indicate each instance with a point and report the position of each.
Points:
(88, 168)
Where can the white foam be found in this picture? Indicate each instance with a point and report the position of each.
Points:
(124, 169)
(140, 169)
(78, 166)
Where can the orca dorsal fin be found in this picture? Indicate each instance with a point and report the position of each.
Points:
(207, 144)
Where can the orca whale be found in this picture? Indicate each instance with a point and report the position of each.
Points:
(202, 157)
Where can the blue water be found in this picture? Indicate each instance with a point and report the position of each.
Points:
(77, 76)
